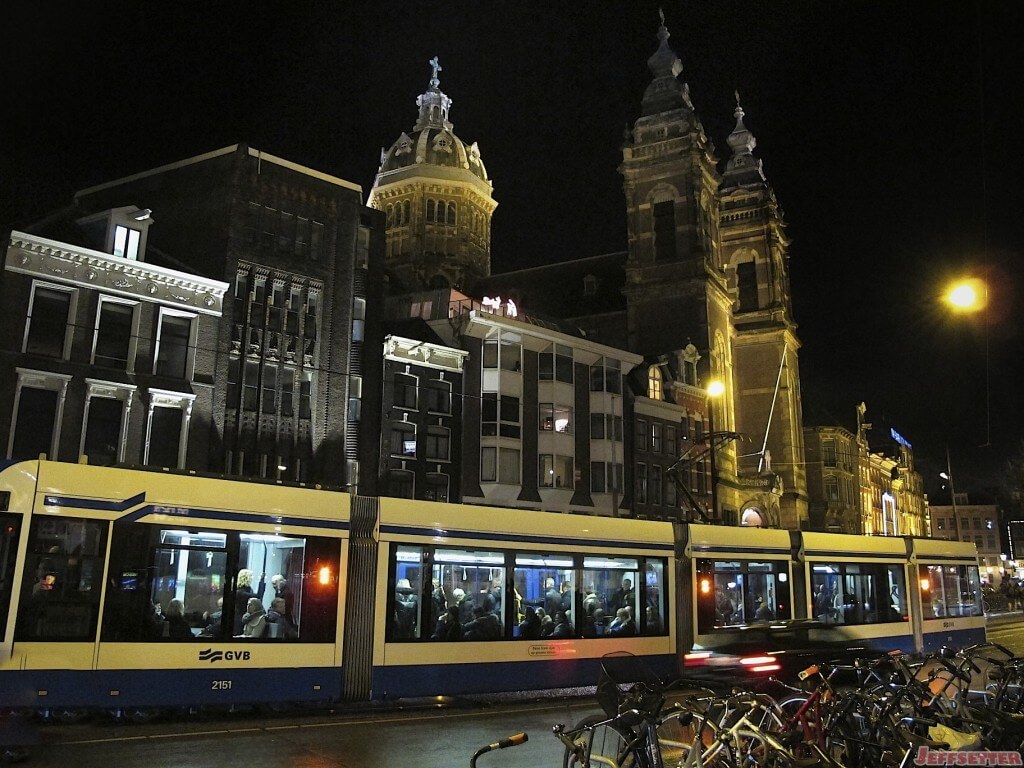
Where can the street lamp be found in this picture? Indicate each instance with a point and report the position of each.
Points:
(714, 390)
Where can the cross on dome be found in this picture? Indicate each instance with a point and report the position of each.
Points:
(435, 66)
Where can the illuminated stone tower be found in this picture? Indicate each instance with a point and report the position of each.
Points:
(767, 396)
(676, 288)
(707, 266)
(437, 199)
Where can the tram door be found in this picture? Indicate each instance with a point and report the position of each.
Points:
(9, 528)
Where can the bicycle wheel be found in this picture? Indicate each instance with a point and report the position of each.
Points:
(600, 747)
(683, 731)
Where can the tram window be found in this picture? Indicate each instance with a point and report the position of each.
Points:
(950, 590)
(10, 527)
(407, 622)
(858, 593)
(733, 592)
(610, 585)
(470, 581)
(653, 619)
(180, 584)
(545, 585)
(64, 571)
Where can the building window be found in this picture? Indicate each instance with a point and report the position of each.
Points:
(641, 435)
(655, 388)
(175, 344)
(606, 376)
(167, 428)
(654, 486)
(113, 344)
(555, 363)
(670, 491)
(437, 396)
(670, 441)
(664, 230)
(402, 484)
(597, 477)
(358, 319)
(605, 426)
(641, 483)
(555, 418)
(38, 409)
(436, 487)
(746, 284)
(126, 242)
(500, 465)
(451, 215)
(438, 443)
(506, 355)
(403, 439)
(107, 406)
(405, 390)
(503, 420)
(555, 471)
(47, 331)
(828, 453)
(656, 443)
(831, 489)
(430, 211)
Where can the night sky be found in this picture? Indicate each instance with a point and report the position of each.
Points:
(889, 131)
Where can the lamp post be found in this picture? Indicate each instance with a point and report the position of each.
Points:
(948, 476)
(715, 390)
(968, 296)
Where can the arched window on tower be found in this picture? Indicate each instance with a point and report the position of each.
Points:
(390, 212)
(451, 214)
(746, 285)
(430, 211)
(664, 230)
(655, 384)
(406, 212)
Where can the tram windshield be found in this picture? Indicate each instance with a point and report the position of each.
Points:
(950, 590)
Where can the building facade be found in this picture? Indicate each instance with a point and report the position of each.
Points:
(105, 355)
(281, 369)
(973, 523)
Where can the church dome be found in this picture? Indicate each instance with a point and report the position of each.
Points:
(432, 140)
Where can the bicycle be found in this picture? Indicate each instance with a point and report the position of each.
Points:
(626, 736)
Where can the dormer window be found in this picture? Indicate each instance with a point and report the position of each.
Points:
(126, 242)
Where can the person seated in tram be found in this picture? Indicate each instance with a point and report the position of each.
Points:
(254, 620)
(278, 614)
(177, 627)
(653, 624)
(448, 627)
(622, 625)
(562, 628)
(529, 628)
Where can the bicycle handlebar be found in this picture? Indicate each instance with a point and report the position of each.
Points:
(511, 741)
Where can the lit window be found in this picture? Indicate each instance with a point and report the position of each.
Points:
(555, 471)
(126, 242)
(555, 418)
(403, 439)
(655, 388)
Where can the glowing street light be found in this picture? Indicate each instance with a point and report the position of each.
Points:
(969, 295)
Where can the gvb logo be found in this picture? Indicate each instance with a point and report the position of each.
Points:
(213, 656)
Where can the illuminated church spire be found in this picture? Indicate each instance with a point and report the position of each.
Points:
(433, 104)
(666, 92)
(742, 168)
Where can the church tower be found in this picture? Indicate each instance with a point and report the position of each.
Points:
(676, 287)
(437, 199)
(767, 380)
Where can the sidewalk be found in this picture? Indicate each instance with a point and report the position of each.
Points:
(1005, 617)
